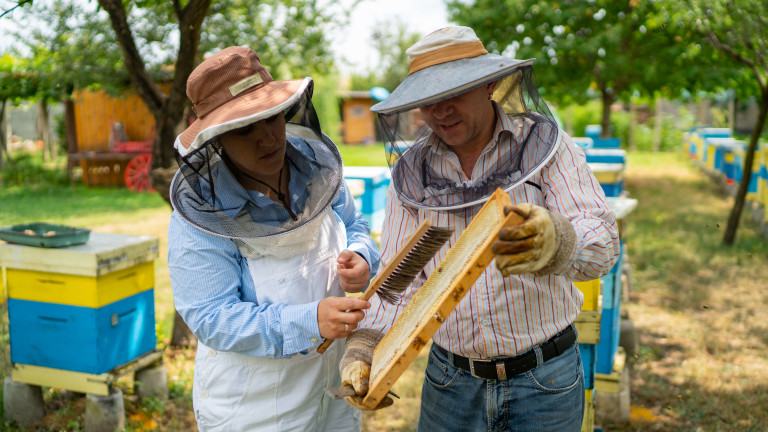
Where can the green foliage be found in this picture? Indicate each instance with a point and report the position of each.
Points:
(737, 31)
(69, 45)
(28, 168)
(17, 82)
(614, 46)
(290, 36)
(326, 102)
(390, 41)
(578, 116)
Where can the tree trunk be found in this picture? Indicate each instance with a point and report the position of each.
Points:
(3, 140)
(702, 114)
(70, 134)
(741, 194)
(70, 127)
(166, 110)
(632, 125)
(657, 123)
(182, 336)
(605, 122)
(732, 111)
(44, 130)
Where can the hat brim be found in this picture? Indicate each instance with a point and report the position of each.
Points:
(273, 98)
(446, 80)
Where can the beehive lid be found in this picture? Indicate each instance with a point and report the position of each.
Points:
(102, 254)
(621, 206)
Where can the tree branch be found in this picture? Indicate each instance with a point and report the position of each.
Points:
(190, 25)
(145, 85)
(19, 4)
(738, 57)
(728, 50)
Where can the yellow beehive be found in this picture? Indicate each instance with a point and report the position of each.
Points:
(591, 290)
(2, 288)
(587, 325)
(588, 424)
(109, 267)
(78, 290)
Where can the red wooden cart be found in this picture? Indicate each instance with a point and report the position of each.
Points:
(136, 173)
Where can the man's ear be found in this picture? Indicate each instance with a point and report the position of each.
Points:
(491, 87)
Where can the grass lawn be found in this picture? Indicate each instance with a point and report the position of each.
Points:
(360, 155)
(702, 363)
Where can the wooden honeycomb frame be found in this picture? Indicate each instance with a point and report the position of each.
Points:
(438, 297)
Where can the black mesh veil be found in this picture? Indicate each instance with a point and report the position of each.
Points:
(196, 189)
(411, 146)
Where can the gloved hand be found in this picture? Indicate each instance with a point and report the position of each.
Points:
(541, 245)
(355, 366)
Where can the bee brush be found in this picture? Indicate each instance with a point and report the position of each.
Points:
(394, 278)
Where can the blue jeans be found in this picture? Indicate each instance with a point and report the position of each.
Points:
(549, 397)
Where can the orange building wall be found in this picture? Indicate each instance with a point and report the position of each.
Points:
(95, 111)
(358, 122)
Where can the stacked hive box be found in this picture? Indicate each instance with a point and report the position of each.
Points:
(372, 197)
(84, 309)
(588, 327)
(606, 160)
(609, 364)
(724, 157)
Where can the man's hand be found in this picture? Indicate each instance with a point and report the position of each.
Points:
(353, 271)
(338, 316)
(542, 244)
(355, 367)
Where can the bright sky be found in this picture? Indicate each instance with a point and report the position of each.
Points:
(353, 44)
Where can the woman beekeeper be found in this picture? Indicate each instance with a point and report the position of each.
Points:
(263, 241)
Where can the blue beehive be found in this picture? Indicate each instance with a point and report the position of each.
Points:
(610, 330)
(605, 155)
(588, 361)
(374, 196)
(82, 339)
(593, 131)
(612, 284)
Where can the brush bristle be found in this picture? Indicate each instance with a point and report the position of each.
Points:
(415, 260)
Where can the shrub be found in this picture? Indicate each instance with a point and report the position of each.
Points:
(27, 168)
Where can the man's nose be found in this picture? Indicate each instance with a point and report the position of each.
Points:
(443, 108)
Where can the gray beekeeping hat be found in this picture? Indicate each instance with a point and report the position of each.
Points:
(444, 64)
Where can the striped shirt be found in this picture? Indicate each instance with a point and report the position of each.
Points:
(212, 287)
(505, 316)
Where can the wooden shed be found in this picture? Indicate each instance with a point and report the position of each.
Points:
(111, 133)
(358, 122)
(97, 111)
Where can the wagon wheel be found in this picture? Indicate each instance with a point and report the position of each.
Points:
(137, 173)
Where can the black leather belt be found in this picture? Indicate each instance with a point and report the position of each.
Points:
(504, 368)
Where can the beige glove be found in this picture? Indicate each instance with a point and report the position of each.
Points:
(355, 366)
(543, 244)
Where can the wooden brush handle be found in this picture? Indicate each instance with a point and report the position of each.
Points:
(387, 270)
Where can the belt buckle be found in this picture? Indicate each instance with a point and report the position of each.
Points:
(472, 366)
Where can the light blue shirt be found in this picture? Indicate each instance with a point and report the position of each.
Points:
(212, 286)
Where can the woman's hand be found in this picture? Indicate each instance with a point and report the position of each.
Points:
(338, 316)
(353, 271)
